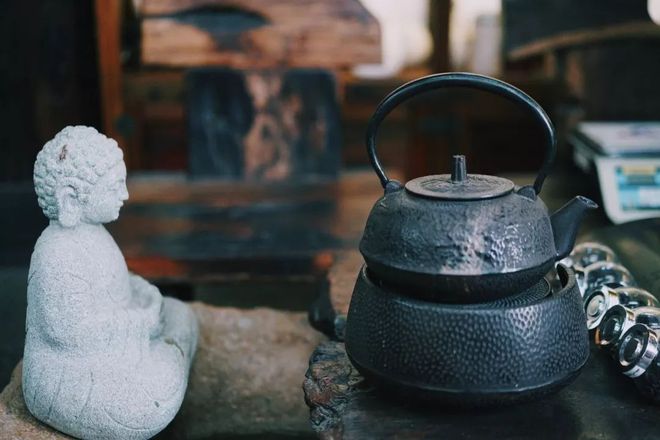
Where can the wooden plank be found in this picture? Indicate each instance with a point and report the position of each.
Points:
(154, 86)
(108, 13)
(258, 33)
(614, 81)
(528, 21)
(155, 101)
(625, 31)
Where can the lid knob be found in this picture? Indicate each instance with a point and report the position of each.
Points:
(459, 185)
(458, 168)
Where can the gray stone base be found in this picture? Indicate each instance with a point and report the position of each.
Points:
(246, 379)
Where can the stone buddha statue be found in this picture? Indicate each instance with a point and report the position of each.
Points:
(106, 356)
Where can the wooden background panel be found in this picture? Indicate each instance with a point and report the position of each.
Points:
(258, 33)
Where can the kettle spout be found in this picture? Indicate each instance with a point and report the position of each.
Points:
(566, 221)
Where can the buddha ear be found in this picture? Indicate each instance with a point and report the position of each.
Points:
(68, 206)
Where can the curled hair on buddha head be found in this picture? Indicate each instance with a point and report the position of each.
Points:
(73, 160)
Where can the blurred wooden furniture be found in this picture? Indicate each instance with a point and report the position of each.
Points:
(496, 136)
(176, 231)
(527, 24)
(108, 36)
(154, 124)
(633, 30)
(253, 34)
(143, 98)
(48, 77)
(603, 53)
(172, 230)
(263, 124)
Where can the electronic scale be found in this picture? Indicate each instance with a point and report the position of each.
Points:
(626, 157)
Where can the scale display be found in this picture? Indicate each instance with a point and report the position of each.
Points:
(626, 158)
(630, 187)
(639, 187)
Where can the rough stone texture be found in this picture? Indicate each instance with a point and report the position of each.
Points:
(105, 355)
(16, 422)
(247, 376)
(245, 379)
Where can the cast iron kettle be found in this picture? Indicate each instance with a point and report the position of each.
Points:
(459, 237)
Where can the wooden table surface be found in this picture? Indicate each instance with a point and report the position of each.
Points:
(600, 404)
(176, 229)
(173, 229)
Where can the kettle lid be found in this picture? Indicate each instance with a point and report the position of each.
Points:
(459, 185)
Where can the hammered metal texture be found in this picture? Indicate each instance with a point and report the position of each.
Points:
(448, 246)
(467, 352)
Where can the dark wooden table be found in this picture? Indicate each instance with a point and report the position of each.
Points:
(173, 229)
(600, 404)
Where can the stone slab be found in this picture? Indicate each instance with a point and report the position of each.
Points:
(245, 380)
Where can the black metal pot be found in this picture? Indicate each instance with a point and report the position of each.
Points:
(482, 354)
(461, 237)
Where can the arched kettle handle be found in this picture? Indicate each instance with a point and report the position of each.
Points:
(458, 79)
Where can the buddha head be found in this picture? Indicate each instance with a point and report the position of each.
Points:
(80, 177)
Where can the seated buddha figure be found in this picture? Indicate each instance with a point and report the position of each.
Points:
(106, 356)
